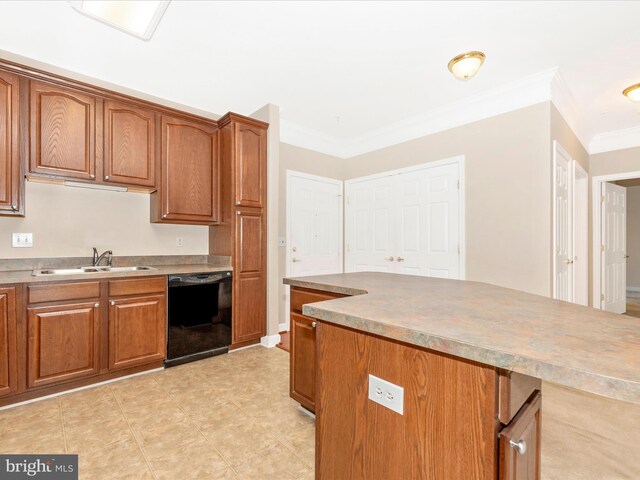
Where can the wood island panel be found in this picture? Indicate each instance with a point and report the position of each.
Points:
(449, 427)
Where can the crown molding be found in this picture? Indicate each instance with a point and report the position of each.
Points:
(566, 104)
(512, 96)
(303, 137)
(615, 140)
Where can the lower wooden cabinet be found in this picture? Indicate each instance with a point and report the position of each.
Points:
(302, 375)
(303, 361)
(64, 343)
(520, 443)
(8, 342)
(137, 331)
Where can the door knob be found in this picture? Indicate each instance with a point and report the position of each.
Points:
(295, 260)
(294, 249)
(520, 446)
(389, 259)
(400, 259)
(626, 256)
(568, 262)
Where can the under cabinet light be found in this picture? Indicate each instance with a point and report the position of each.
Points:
(139, 18)
(94, 186)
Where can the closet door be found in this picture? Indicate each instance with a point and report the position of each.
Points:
(371, 215)
(405, 223)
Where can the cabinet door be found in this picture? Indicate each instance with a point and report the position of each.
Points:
(189, 190)
(303, 361)
(137, 331)
(63, 132)
(129, 144)
(64, 343)
(11, 181)
(8, 342)
(250, 304)
(520, 443)
(251, 152)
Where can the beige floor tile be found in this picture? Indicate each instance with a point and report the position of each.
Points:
(212, 418)
(165, 412)
(237, 443)
(302, 441)
(276, 462)
(34, 440)
(94, 434)
(283, 418)
(33, 415)
(117, 460)
(194, 460)
(157, 440)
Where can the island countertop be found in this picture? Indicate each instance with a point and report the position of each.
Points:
(567, 344)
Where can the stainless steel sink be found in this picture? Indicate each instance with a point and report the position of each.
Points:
(87, 270)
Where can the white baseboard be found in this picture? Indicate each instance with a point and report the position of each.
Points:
(282, 327)
(270, 341)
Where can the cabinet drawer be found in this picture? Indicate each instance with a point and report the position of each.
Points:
(56, 292)
(137, 286)
(302, 296)
(515, 389)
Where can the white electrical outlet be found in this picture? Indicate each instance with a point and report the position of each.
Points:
(386, 394)
(22, 240)
(179, 242)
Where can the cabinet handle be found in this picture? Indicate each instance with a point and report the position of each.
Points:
(390, 259)
(96, 305)
(400, 259)
(520, 446)
(238, 213)
(164, 216)
(92, 176)
(313, 324)
(14, 208)
(106, 177)
(112, 302)
(237, 203)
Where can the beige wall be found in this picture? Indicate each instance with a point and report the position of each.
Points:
(619, 161)
(306, 161)
(68, 222)
(508, 192)
(633, 237)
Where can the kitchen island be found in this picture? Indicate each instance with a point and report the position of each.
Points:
(450, 344)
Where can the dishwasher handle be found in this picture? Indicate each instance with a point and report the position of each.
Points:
(199, 278)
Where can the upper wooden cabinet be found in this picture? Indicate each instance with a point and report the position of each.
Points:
(129, 144)
(188, 187)
(62, 132)
(8, 342)
(250, 165)
(11, 181)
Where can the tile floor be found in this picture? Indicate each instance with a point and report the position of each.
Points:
(227, 417)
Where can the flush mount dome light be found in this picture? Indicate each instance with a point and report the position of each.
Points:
(138, 18)
(632, 92)
(466, 65)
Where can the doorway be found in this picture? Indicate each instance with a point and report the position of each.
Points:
(616, 229)
(314, 235)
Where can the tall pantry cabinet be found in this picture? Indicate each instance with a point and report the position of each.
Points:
(241, 232)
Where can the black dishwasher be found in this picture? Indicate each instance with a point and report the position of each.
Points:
(199, 316)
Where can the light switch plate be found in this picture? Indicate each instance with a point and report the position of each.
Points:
(386, 394)
(22, 240)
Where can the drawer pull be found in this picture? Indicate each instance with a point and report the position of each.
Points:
(112, 302)
(313, 324)
(520, 446)
(97, 305)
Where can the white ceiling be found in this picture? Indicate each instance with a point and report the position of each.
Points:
(341, 70)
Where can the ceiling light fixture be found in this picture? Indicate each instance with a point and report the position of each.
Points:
(137, 18)
(466, 65)
(632, 92)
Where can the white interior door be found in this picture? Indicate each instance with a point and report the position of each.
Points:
(614, 238)
(563, 228)
(371, 225)
(315, 225)
(580, 235)
(406, 222)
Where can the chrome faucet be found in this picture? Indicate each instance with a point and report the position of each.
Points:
(98, 258)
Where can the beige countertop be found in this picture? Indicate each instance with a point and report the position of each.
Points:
(25, 276)
(563, 343)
